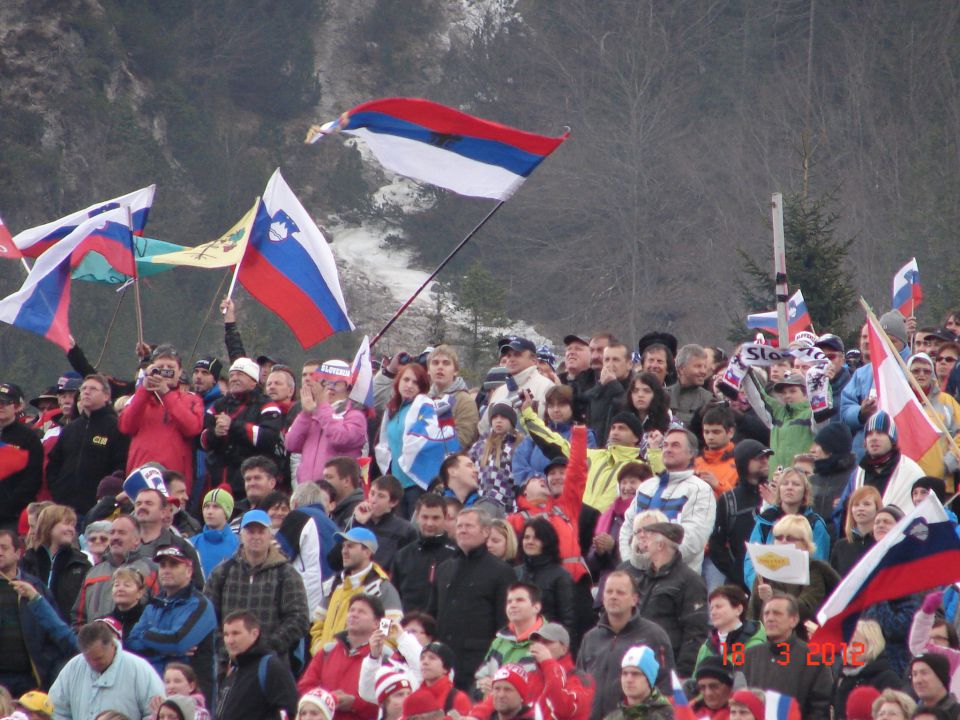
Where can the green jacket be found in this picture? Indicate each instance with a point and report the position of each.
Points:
(655, 707)
(505, 649)
(791, 429)
(749, 634)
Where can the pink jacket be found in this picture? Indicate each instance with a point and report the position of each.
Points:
(919, 642)
(323, 434)
(164, 430)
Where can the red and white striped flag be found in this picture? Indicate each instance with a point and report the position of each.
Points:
(916, 432)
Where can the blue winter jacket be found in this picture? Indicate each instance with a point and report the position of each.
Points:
(854, 393)
(529, 460)
(763, 533)
(326, 529)
(214, 546)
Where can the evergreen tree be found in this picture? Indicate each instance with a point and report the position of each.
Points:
(816, 264)
(481, 300)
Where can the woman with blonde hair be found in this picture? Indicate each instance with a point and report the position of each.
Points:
(893, 705)
(795, 530)
(862, 507)
(502, 542)
(863, 664)
(789, 493)
(56, 559)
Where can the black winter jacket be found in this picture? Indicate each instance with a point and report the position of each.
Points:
(64, 578)
(556, 589)
(469, 601)
(18, 489)
(787, 667)
(675, 598)
(254, 430)
(90, 448)
(415, 569)
(876, 674)
(242, 697)
(393, 533)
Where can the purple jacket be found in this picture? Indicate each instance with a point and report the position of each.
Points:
(323, 434)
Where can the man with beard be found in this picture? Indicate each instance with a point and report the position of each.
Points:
(833, 449)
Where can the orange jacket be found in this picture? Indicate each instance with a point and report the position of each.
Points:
(563, 512)
(720, 463)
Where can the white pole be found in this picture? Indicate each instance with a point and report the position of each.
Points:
(780, 269)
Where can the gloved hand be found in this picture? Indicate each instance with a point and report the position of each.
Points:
(931, 603)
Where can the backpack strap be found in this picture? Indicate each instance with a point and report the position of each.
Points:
(262, 672)
(448, 702)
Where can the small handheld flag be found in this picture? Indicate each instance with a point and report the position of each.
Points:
(362, 375)
(442, 146)
(681, 706)
(907, 292)
(798, 318)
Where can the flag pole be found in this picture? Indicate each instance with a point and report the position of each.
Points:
(25, 265)
(110, 328)
(436, 272)
(233, 283)
(914, 385)
(913, 310)
(206, 319)
(780, 269)
(136, 280)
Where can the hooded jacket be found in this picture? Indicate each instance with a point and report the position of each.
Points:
(273, 590)
(325, 433)
(683, 498)
(720, 463)
(162, 428)
(214, 546)
(90, 448)
(830, 477)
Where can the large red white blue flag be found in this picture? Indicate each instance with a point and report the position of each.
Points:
(42, 303)
(34, 241)
(361, 375)
(442, 146)
(907, 291)
(289, 267)
(921, 552)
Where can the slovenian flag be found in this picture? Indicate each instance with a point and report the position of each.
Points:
(798, 318)
(42, 303)
(35, 241)
(907, 292)
(289, 267)
(429, 439)
(442, 146)
(361, 375)
(916, 433)
(8, 248)
(920, 553)
(681, 706)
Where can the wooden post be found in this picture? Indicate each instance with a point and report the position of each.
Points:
(780, 269)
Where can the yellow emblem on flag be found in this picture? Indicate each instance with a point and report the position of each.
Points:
(773, 561)
(225, 251)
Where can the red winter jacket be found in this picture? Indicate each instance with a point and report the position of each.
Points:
(162, 430)
(337, 667)
(441, 690)
(564, 512)
(567, 693)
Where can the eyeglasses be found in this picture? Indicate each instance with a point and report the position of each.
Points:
(787, 538)
(949, 359)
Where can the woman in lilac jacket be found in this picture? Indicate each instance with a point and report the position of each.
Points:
(328, 424)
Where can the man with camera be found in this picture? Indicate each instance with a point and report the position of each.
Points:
(161, 419)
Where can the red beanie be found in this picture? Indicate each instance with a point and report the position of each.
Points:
(515, 675)
(751, 701)
(860, 702)
(420, 702)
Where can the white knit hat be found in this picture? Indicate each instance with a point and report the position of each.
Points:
(391, 678)
(247, 367)
(324, 701)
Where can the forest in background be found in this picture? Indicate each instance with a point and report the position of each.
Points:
(684, 117)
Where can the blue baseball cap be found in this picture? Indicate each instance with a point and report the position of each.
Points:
(360, 535)
(255, 516)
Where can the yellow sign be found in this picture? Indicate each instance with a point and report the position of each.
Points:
(225, 251)
(772, 561)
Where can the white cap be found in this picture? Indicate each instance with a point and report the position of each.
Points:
(247, 367)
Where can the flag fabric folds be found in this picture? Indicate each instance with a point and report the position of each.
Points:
(8, 248)
(95, 268)
(430, 439)
(42, 303)
(920, 553)
(442, 146)
(289, 267)
(361, 375)
(681, 706)
(798, 318)
(916, 433)
(34, 241)
(780, 707)
(226, 251)
(907, 292)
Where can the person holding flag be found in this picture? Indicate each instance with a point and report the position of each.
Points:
(941, 460)
(329, 423)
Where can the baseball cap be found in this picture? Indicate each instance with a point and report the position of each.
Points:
(360, 535)
(792, 379)
(36, 701)
(71, 380)
(829, 341)
(519, 344)
(11, 392)
(258, 517)
(553, 632)
(171, 552)
(576, 338)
